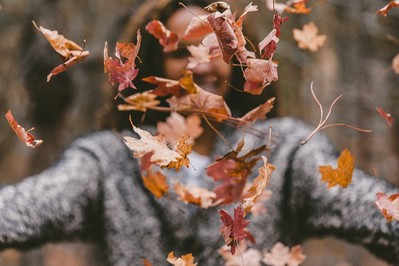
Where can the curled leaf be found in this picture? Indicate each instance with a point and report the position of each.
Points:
(22, 134)
(168, 39)
(384, 11)
(388, 117)
(259, 74)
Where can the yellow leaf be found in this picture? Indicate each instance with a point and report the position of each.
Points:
(343, 174)
(156, 183)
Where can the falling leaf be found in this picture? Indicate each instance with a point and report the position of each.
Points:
(388, 117)
(389, 206)
(307, 38)
(259, 185)
(281, 255)
(298, 7)
(183, 149)
(139, 102)
(198, 27)
(146, 262)
(259, 206)
(161, 154)
(200, 54)
(156, 183)
(343, 174)
(69, 51)
(269, 44)
(164, 86)
(233, 230)
(274, 6)
(195, 195)
(185, 260)
(23, 135)
(250, 256)
(257, 113)
(177, 125)
(217, 6)
(168, 39)
(384, 11)
(259, 74)
(122, 71)
(395, 64)
(248, 8)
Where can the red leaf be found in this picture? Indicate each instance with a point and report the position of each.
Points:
(168, 39)
(388, 117)
(23, 135)
(259, 74)
(233, 230)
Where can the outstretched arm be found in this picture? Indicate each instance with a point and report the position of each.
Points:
(309, 208)
(57, 204)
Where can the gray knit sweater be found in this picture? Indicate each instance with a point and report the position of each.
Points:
(95, 193)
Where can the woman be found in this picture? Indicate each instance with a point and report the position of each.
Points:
(95, 191)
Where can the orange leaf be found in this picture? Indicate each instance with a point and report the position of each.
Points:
(343, 174)
(168, 39)
(146, 262)
(70, 51)
(307, 38)
(259, 185)
(184, 260)
(156, 183)
(195, 195)
(23, 135)
(139, 102)
(183, 149)
(384, 11)
(299, 7)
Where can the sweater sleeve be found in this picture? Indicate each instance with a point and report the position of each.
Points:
(310, 209)
(59, 203)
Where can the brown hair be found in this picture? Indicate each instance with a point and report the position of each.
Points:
(152, 65)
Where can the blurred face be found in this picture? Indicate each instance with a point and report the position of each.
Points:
(209, 76)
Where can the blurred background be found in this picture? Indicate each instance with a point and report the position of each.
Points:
(355, 61)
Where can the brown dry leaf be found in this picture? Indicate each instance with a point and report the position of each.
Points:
(258, 186)
(259, 74)
(161, 154)
(257, 113)
(384, 11)
(307, 38)
(343, 174)
(195, 195)
(183, 149)
(139, 102)
(165, 86)
(184, 260)
(168, 39)
(69, 50)
(198, 27)
(176, 125)
(22, 134)
(299, 7)
(156, 183)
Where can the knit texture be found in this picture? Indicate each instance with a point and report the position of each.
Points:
(95, 193)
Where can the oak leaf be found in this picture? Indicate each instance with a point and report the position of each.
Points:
(389, 206)
(168, 39)
(307, 38)
(22, 134)
(70, 52)
(388, 117)
(342, 175)
(259, 185)
(233, 229)
(281, 255)
(155, 183)
(176, 125)
(184, 260)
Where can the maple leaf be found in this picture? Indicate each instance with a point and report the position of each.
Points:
(195, 195)
(183, 149)
(155, 183)
(199, 55)
(298, 7)
(259, 74)
(259, 185)
(389, 206)
(388, 117)
(281, 255)
(168, 39)
(233, 230)
(395, 64)
(161, 154)
(22, 134)
(198, 27)
(384, 11)
(257, 113)
(251, 256)
(176, 125)
(122, 71)
(307, 38)
(139, 102)
(343, 174)
(184, 260)
(69, 51)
